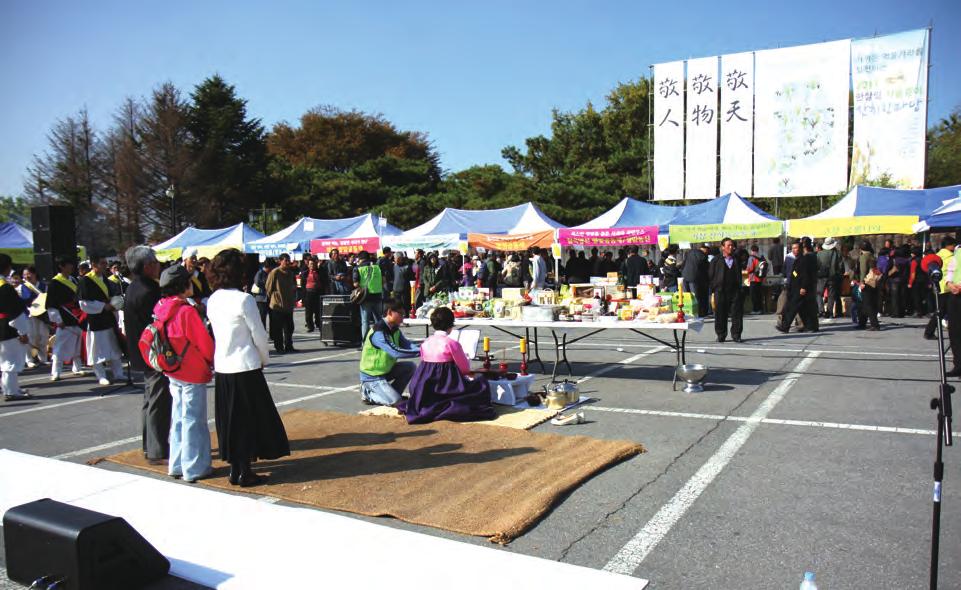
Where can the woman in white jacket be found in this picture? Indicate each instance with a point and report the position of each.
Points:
(248, 425)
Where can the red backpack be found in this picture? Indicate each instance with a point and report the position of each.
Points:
(156, 350)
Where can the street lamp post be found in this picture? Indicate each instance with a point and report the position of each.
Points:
(171, 193)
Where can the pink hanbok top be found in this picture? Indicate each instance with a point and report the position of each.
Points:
(441, 348)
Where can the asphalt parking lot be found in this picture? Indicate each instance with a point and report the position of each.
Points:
(805, 452)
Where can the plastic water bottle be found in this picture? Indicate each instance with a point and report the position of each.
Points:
(808, 582)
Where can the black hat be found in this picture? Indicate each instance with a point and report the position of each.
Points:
(173, 274)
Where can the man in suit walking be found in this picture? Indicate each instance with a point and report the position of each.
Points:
(725, 278)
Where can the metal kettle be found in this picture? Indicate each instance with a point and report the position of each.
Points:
(561, 394)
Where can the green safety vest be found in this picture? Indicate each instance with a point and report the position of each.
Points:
(375, 361)
(371, 279)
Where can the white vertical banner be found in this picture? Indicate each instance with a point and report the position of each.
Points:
(890, 76)
(801, 120)
(669, 131)
(737, 123)
(701, 143)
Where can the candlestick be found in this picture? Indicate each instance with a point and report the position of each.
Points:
(487, 344)
(523, 361)
(523, 345)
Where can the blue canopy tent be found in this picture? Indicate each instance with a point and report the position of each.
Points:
(868, 210)
(295, 238)
(947, 215)
(17, 242)
(449, 229)
(727, 216)
(206, 242)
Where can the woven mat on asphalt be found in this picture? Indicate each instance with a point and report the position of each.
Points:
(507, 416)
(467, 478)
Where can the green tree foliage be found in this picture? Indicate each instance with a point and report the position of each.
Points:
(15, 209)
(944, 151)
(342, 163)
(229, 154)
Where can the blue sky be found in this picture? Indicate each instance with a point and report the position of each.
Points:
(475, 77)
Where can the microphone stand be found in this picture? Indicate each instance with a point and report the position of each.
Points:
(942, 405)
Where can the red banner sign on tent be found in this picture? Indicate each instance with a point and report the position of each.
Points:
(619, 236)
(345, 245)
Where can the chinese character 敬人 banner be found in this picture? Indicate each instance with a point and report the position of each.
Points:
(801, 120)
(701, 143)
(669, 131)
(890, 76)
(737, 123)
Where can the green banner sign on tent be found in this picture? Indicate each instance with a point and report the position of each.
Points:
(715, 232)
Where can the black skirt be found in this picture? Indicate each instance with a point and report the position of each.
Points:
(248, 425)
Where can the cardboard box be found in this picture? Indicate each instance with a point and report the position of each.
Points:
(513, 293)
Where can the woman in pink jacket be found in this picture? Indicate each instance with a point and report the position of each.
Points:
(189, 436)
(440, 388)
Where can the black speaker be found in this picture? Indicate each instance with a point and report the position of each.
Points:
(54, 231)
(86, 549)
(339, 321)
(46, 266)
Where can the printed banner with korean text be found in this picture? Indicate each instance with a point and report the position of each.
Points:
(715, 232)
(620, 236)
(669, 131)
(737, 123)
(890, 75)
(801, 120)
(345, 245)
(700, 180)
(512, 242)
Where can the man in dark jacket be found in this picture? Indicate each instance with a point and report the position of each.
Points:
(634, 266)
(695, 275)
(725, 279)
(801, 295)
(142, 295)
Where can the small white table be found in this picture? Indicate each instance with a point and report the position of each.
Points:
(560, 331)
(509, 392)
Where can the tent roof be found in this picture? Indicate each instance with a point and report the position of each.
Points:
(236, 234)
(13, 235)
(519, 219)
(947, 215)
(730, 208)
(299, 234)
(869, 200)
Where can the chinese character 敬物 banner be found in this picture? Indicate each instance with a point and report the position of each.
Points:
(890, 76)
(701, 142)
(737, 123)
(669, 131)
(618, 236)
(801, 120)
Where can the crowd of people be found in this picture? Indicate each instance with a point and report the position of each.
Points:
(214, 318)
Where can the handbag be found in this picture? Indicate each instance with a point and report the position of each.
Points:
(872, 279)
(359, 295)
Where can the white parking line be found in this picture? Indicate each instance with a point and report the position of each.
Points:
(640, 546)
(778, 421)
(93, 398)
(627, 361)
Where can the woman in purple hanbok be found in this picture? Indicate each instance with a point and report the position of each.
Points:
(441, 388)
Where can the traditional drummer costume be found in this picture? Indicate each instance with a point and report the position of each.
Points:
(62, 309)
(102, 345)
(38, 332)
(13, 323)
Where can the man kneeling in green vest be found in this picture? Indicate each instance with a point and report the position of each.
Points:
(382, 378)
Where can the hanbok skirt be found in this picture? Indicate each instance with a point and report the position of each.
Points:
(248, 425)
(438, 391)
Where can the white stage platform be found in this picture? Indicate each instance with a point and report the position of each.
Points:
(226, 541)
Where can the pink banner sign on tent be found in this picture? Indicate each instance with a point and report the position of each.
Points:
(345, 245)
(617, 236)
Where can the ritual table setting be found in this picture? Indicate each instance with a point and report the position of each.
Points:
(575, 313)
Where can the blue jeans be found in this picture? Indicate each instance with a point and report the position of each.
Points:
(369, 314)
(189, 435)
(387, 390)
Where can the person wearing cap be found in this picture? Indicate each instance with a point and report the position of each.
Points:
(13, 335)
(103, 347)
(189, 436)
(670, 273)
(830, 272)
